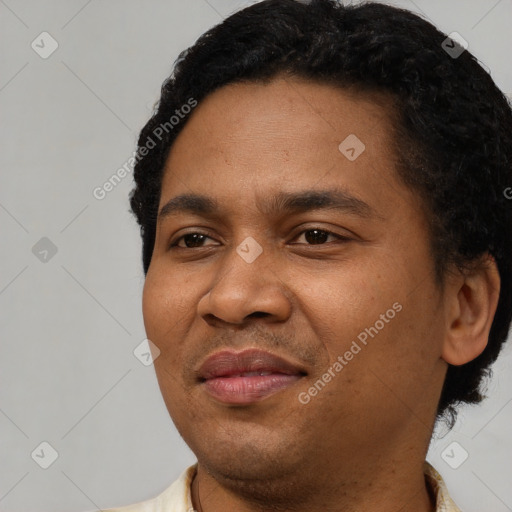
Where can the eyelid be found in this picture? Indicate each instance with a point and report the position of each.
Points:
(193, 231)
(323, 230)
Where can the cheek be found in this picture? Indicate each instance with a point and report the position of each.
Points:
(338, 306)
(370, 314)
(153, 300)
(165, 306)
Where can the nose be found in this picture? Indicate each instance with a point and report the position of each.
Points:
(243, 290)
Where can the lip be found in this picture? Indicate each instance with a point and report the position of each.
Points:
(222, 375)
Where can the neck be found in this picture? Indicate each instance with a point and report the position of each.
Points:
(384, 489)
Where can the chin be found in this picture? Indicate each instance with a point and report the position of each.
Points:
(259, 475)
(241, 455)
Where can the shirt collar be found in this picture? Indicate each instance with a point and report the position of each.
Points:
(438, 488)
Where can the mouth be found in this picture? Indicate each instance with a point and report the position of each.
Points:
(246, 377)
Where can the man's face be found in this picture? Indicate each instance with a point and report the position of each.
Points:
(305, 283)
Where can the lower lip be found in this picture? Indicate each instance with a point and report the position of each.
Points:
(246, 390)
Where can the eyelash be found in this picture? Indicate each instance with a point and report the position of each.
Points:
(174, 244)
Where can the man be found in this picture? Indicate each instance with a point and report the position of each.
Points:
(327, 252)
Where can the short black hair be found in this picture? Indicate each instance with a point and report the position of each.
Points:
(453, 127)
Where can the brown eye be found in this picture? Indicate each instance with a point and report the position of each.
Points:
(318, 236)
(191, 240)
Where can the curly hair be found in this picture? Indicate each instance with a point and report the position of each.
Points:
(453, 128)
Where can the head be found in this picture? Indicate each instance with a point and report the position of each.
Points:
(266, 106)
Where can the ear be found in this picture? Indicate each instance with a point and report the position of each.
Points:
(471, 302)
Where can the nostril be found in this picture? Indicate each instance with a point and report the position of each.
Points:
(258, 314)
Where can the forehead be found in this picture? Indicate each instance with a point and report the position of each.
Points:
(287, 134)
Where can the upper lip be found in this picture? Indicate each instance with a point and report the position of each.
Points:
(227, 362)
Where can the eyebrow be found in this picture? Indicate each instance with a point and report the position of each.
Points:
(282, 202)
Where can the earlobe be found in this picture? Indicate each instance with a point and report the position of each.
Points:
(472, 300)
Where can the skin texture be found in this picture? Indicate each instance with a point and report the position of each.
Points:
(360, 443)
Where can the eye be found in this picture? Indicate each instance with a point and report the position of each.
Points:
(315, 236)
(191, 240)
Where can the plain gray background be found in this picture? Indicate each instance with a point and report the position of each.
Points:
(70, 321)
